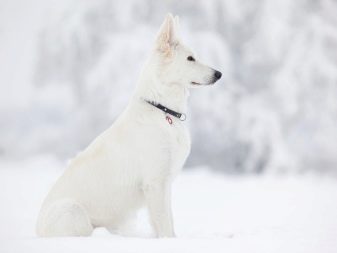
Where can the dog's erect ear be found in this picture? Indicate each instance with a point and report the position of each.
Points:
(176, 22)
(167, 39)
(176, 27)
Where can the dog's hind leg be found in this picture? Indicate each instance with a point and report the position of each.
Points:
(64, 217)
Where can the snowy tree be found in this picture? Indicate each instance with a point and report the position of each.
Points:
(274, 109)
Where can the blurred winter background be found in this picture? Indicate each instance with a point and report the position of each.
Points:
(68, 68)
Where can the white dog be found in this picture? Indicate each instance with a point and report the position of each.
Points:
(132, 163)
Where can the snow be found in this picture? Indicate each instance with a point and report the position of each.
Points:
(213, 213)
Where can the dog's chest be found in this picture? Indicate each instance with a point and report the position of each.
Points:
(179, 145)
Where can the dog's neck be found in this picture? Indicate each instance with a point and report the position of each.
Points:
(173, 95)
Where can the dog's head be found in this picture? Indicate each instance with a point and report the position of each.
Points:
(175, 63)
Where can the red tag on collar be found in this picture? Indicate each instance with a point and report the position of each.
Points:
(169, 120)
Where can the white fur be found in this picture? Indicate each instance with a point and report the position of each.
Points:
(132, 163)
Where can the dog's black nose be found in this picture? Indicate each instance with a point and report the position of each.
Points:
(217, 75)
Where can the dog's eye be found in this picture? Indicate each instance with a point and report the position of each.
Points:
(190, 58)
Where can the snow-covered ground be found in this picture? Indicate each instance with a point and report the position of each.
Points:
(213, 213)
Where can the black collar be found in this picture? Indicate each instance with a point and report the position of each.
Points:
(181, 116)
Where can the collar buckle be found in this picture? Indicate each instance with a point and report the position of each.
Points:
(182, 117)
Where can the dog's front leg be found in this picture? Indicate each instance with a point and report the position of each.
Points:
(158, 200)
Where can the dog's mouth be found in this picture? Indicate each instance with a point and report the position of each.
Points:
(195, 83)
(199, 84)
